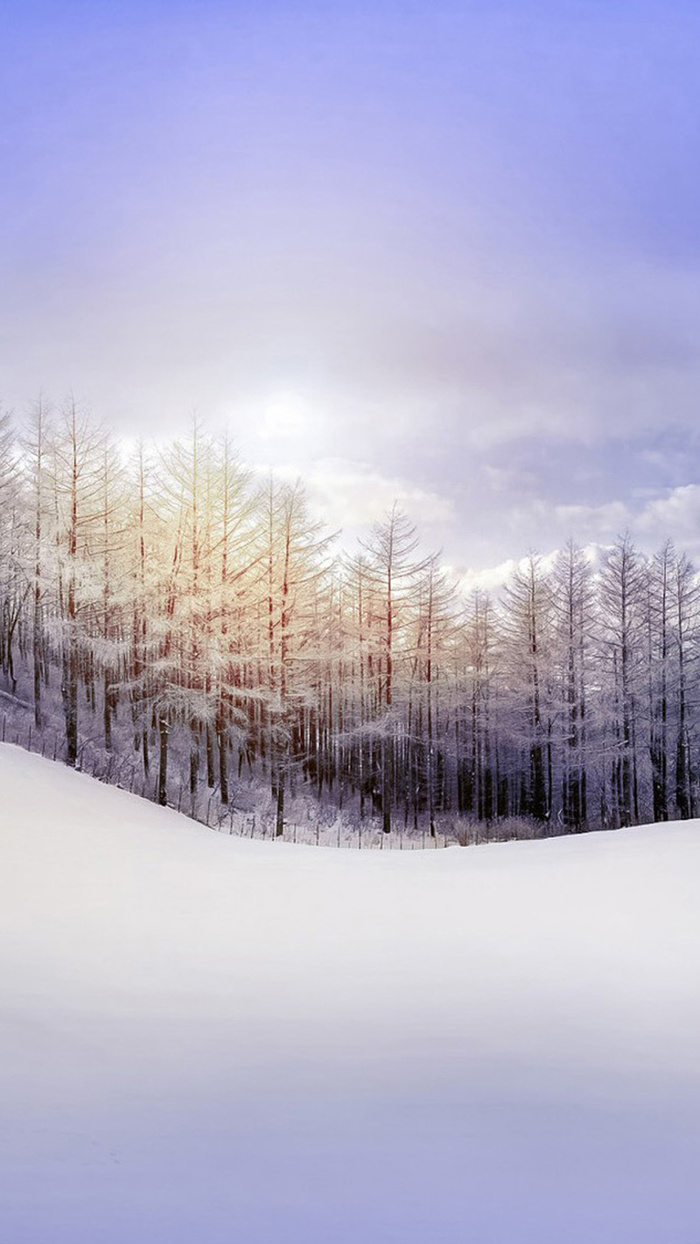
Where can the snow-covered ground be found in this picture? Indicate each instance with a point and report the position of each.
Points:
(216, 1041)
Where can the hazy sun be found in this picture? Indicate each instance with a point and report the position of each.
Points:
(285, 415)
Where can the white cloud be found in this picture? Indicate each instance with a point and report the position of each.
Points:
(354, 494)
(591, 521)
(489, 580)
(677, 515)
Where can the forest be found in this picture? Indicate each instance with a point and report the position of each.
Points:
(172, 611)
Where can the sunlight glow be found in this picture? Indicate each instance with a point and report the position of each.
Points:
(285, 415)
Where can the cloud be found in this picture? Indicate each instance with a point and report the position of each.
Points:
(676, 515)
(650, 520)
(490, 580)
(354, 495)
(493, 579)
(594, 521)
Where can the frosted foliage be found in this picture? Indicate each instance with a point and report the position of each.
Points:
(190, 632)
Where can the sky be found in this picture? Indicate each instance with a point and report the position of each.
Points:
(445, 253)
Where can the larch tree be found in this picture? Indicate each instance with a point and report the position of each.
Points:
(529, 634)
(574, 621)
(395, 575)
(622, 591)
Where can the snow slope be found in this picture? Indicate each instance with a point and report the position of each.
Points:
(216, 1041)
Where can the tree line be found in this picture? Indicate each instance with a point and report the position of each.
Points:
(171, 606)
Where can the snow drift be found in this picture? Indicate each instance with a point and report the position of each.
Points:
(212, 1040)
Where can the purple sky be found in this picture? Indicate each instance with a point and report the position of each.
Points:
(445, 252)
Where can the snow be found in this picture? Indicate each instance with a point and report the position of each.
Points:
(217, 1041)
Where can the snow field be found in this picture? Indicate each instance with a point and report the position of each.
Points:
(207, 1039)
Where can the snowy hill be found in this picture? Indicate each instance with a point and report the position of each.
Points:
(213, 1041)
